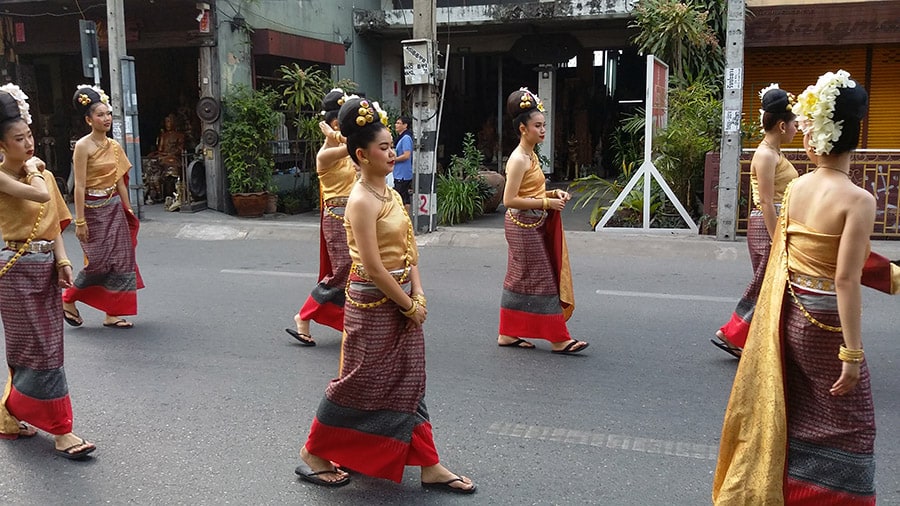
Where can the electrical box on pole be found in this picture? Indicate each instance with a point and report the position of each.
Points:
(418, 61)
(90, 50)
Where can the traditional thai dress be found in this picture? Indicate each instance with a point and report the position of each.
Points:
(110, 278)
(373, 417)
(759, 244)
(325, 304)
(36, 389)
(786, 439)
(537, 297)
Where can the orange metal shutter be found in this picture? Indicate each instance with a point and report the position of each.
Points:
(884, 99)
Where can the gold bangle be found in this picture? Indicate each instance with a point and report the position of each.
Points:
(32, 175)
(546, 203)
(420, 298)
(80, 223)
(851, 356)
(63, 263)
(412, 309)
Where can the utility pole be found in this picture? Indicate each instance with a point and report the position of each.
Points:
(419, 57)
(124, 128)
(730, 151)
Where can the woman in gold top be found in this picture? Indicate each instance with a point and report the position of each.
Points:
(337, 175)
(537, 292)
(104, 222)
(33, 268)
(800, 424)
(373, 418)
(770, 173)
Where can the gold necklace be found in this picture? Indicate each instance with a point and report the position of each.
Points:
(773, 148)
(834, 169)
(100, 144)
(13, 174)
(382, 197)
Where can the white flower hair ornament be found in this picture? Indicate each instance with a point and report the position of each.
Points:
(21, 99)
(815, 107)
(382, 114)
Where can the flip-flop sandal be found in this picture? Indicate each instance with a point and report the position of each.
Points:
(119, 324)
(73, 319)
(445, 486)
(80, 454)
(307, 474)
(518, 343)
(305, 339)
(573, 348)
(25, 430)
(734, 351)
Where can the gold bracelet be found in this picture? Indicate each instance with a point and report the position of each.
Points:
(851, 356)
(420, 299)
(63, 263)
(80, 223)
(412, 310)
(546, 203)
(32, 175)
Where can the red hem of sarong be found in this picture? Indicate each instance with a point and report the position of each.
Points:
(551, 327)
(371, 454)
(328, 313)
(111, 303)
(53, 416)
(800, 493)
(736, 330)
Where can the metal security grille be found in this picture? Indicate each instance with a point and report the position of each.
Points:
(884, 103)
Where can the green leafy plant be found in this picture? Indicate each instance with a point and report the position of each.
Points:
(248, 127)
(461, 192)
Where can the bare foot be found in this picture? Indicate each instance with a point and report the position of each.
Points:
(438, 474)
(513, 342)
(329, 472)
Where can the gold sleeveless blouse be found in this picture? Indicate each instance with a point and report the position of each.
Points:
(784, 174)
(338, 179)
(106, 166)
(393, 228)
(534, 182)
(17, 216)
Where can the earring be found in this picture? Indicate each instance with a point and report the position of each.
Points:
(365, 161)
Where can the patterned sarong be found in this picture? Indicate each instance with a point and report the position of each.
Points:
(110, 279)
(759, 244)
(831, 439)
(36, 390)
(373, 417)
(531, 304)
(325, 305)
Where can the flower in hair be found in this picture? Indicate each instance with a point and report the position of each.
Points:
(104, 98)
(815, 106)
(21, 100)
(762, 92)
(529, 100)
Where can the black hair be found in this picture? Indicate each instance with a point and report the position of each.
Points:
(850, 106)
(406, 120)
(359, 136)
(521, 105)
(331, 104)
(330, 116)
(86, 105)
(9, 113)
(776, 107)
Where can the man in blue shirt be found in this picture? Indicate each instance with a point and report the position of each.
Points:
(403, 173)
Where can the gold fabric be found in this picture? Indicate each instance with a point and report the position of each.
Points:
(812, 253)
(784, 174)
(534, 182)
(8, 423)
(895, 279)
(338, 179)
(106, 166)
(753, 446)
(17, 216)
(393, 229)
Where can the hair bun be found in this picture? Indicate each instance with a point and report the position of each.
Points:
(523, 100)
(86, 96)
(333, 100)
(851, 104)
(776, 100)
(358, 113)
(13, 103)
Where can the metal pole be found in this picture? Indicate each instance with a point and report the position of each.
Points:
(730, 151)
(115, 20)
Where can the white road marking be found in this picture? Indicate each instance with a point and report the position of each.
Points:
(675, 296)
(309, 275)
(599, 439)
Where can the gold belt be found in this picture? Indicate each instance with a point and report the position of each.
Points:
(33, 247)
(336, 202)
(400, 275)
(100, 192)
(804, 281)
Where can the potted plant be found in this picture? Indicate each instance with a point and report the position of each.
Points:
(248, 128)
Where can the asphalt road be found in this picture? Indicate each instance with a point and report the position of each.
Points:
(207, 400)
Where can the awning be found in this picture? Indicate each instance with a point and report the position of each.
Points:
(275, 43)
